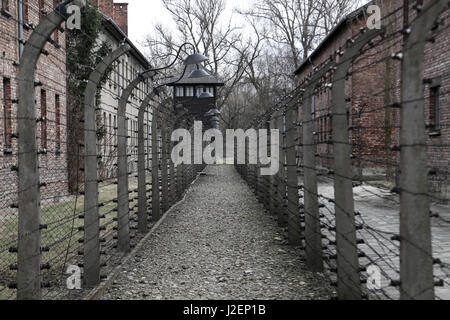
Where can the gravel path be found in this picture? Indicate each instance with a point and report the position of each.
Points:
(218, 244)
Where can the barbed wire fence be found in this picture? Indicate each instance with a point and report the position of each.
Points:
(124, 182)
(371, 212)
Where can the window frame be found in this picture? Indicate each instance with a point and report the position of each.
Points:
(44, 112)
(434, 108)
(189, 92)
(41, 4)
(179, 91)
(58, 122)
(25, 9)
(7, 114)
(5, 5)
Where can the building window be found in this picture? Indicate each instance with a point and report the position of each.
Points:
(435, 108)
(5, 5)
(179, 91)
(189, 91)
(7, 121)
(313, 107)
(324, 129)
(330, 128)
(135, 135)
(205, 89)
(117, 80)
(104, 134)
(43, 119)
(41, 9)
(25, 11)
(58, 122)
(122, 75)
(115, 130)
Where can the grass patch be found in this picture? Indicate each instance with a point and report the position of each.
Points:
(62, 233)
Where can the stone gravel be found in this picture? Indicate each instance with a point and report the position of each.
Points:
(219, 244)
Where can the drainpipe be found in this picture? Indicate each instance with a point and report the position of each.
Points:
(21, 46)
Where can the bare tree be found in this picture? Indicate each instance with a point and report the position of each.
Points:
(284, 32)
(299, 24)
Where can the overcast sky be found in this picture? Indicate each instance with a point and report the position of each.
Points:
(143, 15)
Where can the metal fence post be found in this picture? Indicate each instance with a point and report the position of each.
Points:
(156, 210)
(282, 172)
(173, 186)
(164, 167)
(267, 184)
(172, 169)
(313, 235)
(91, 215)
(273, 190)
(416, 260)
(29, 242)
(293, 208)
(349, 287)
(142, 171)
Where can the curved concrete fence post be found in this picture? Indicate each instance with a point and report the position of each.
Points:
(142, 171)
(349, 287)
(164, 163)
(313, 238)
(29, 243)
(172, 189)
(91, 215)
(156, 214)
(123, 206)
(293, 205)
(416, 260)
(282, 172)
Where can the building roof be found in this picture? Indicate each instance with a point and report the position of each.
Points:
(117, 33)
(209, 80)
(341, 25)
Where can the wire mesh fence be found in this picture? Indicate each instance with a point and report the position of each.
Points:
(53, 215)
(364, 160)
(349, 163)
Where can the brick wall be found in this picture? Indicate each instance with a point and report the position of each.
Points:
(121, 16)
(51, 73)
(373, 86)
(105, 6)
(116, 11)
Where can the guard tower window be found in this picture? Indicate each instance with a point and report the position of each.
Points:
(189, 91)
(179, 91)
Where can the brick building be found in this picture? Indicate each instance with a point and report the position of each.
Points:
(373, 87)
(16, 24)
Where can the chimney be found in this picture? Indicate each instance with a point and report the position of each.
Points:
(121, 16)
(105, 6)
